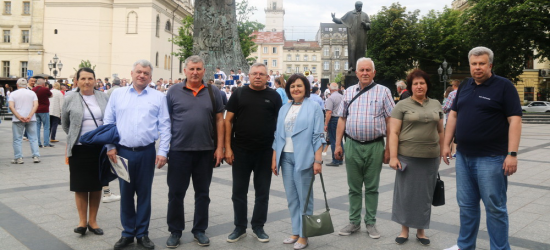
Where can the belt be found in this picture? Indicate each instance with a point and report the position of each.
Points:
(137, 148)
(365, 142)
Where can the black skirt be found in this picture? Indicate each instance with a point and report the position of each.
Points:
(84, 169)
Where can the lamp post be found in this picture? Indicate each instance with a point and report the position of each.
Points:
(55, 65)
(444, 73)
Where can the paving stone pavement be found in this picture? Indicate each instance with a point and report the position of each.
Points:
(37, 210)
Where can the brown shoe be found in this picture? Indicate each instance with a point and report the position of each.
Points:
(54, 141)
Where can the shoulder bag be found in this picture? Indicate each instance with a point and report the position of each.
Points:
(357, 96)
(316, 225)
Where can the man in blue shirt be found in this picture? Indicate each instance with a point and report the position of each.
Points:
(316, 98)
(486, 116)
(141, 116)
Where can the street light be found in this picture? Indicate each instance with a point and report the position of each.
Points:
(55, 65)
(444, 73)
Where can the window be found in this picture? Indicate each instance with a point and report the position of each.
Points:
(337, 52)
(297, 69)
(265, 62)
(288, 69)
(345, 29)
(314, 69)
(274, 63)
(55, 31)
(346, 65)
(6, 68)
(305, 68)
(26, 9)
(131, 23)
(25, 36)
(289, 57)
(305, 57)
(326, 29)
(157, 28)
(168, 26)
(326, 76)
(7, 7)
(297, 57)
(339, 29)
(345, 51)
(326, 51)
(24, 66)
(265, 50)
(337, 65)
(329, 29)
(274, 50)
(157, 60)
(325, 65)
(7, 36)
(314, 58)
(529, 94)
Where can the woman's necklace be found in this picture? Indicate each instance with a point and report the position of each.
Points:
(296, 103)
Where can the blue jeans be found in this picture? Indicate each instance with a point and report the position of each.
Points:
(296, 188)
(482, 178)
(18, 128)
(43, 118)
(332, 124)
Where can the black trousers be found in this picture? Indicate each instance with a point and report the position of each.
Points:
(246, 162)
(54, 121)
(182, 167)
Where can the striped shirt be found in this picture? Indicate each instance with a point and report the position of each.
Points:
(366, 120)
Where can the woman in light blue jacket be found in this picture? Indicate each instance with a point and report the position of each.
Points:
(297, 151)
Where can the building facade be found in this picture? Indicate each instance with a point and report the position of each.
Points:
(333, 40)
(274, 15)
(301, 56)
(270, 49)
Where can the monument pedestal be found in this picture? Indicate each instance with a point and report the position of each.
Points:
(351, 79)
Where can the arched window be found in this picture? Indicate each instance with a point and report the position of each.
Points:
(168, 26)
(158, 26)
(157, 60)
(131, 23)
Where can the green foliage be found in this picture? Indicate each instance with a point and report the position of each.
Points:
(339, 79)
(544, 93)
(184, 39)
(516, 30)
(246, 27)
(392, 42)
(85, 64)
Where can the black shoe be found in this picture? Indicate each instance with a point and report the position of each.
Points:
(261, 235)
(202, 239)
(423, 241)
(80, 230)
(332, 164)
(173, 241)
(401, 240)
(236, 235)
(40, 146)
(49, 146)
(123, 242)
(97, 231)
(146, 242)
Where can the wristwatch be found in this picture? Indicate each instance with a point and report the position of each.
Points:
(514, 154)
(320, 162)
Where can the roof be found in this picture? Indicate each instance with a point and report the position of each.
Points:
(269, 37)
(302, 44)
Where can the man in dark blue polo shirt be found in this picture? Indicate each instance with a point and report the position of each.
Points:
(193, 152)
(486, 115)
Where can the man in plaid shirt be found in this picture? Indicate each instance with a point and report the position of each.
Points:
(364, 122)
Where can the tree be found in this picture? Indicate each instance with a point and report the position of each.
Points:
(184, 39)
(85, 64)
(516, 31)
(339, 79)
(392, 42)
(246, 28)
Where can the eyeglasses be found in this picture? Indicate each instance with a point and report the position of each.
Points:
(258, 74)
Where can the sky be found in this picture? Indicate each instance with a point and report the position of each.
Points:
(302, 17)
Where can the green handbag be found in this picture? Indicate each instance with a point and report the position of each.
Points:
(316, 225)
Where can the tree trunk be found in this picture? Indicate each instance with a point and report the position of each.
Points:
(215, 36)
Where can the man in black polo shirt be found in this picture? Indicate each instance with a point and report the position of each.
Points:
(486, 114)
(250, 125)
(193, 152)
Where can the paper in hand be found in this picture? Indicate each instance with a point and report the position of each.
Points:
(120, 168)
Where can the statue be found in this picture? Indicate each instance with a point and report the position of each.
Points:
(357, 24)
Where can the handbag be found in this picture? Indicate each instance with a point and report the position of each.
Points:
(316, 225)
(439, 192)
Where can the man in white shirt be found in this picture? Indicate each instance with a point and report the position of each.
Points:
(23, 104)
(223, 76)
(241, 75)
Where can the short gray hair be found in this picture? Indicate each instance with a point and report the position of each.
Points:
(194, 59)
(143, 63)
(40, 81)
(258, 64)
(365, 59)
(116, 81)
(401, 84)
(478, 51)
(22, 83)
(334, 86)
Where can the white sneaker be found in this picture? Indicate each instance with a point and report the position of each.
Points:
(36, 159)
(455, 247)
(17, 161)
(110, 197)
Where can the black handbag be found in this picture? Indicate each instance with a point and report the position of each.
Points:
(439, 192)
(316, 225)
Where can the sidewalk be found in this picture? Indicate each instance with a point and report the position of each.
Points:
(37, 210)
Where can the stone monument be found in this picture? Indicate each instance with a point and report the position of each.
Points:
(215, 36)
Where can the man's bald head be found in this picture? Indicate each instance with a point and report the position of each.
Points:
(40, 81)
